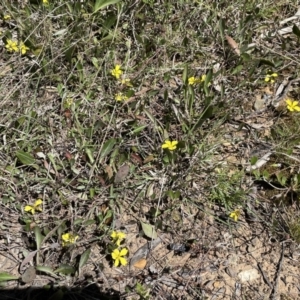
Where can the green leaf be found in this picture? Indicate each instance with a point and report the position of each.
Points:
(84, 258)
(107, 147)
(25, 158)
(266, 174)
(38, 237)
(65, 269)
(296, 30)
(139, 129)
(149, 230)
(207, 113)
(207, 81)
(89, 153)
(184, 75)
(253, 160)
(6, 276)
(46, 270)
(222, 27)
(237, 69)
(100, 4)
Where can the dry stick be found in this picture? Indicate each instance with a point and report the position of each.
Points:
(275, 287)
(264, 276)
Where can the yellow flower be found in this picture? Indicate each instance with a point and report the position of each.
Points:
(203, 77)
(69, 239)
(192, 80)
(235, 214)
(126, 81)
(68, 102)
(117, 237)
(6, 17)
(11, 46)
(292, 105)
(45, 2)
(23, 48)
(37, 206)
(120, 97)
(271, 77)
(118, 257)
(170, 145)
(117, 72)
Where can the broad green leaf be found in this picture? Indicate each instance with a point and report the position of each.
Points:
(266, 174)
(253, 160)
(89, 222)
(222, 27)
(38, 237)
(107, 147)
(207, 81)
(237, 69)
(25, 158)
(139, 129)
(246, 56)
(89, 153)
(184, 75)
(65, 269)
(6, 276)
(149, 230)
(46, 270)
(84, 258)
(100, 4)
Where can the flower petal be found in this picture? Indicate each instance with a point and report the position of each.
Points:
(123, 252)
(117, 261)
(66, 237)
(29, 208)
(123, 261)
(115, 254)
(121, 235)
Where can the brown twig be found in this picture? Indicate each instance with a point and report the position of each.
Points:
(275, 286)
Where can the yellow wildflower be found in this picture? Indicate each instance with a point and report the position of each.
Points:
(292, 105)
(23, 48)
(37, 206)
(192, 80)
(68, 102)
(45, 2)
(203, 77)
(117, 237)
(118, 257)
(126, 81)
(271, 77)
(120, 97)
(11, 46)
(117, 72)
(69, 239)
(235, 214)
(170, 145)
(6, 17)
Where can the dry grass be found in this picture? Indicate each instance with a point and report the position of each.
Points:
(98, 164)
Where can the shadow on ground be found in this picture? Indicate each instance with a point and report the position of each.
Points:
(91, 292)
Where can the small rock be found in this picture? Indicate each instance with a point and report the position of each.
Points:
(248, 275)
(230, 271)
